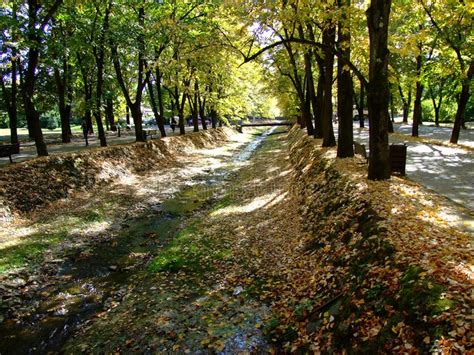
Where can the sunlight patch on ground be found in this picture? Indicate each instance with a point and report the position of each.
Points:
(93, 228)
(465, 269)
(256, 203)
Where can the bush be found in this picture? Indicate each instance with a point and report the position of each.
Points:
(50, 120)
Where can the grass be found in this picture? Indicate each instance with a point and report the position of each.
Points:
(29, 251)
(23, 132)
(185, 251)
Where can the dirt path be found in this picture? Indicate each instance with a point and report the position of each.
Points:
(146, 260)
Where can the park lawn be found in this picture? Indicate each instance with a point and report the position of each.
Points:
(23, 132)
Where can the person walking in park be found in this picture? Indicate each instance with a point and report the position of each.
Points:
(173, 124)
(85, 131)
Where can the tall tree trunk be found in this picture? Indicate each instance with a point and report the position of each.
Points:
(305, 109)
(202, 112)
(310, 88)
(436, 110)
(136, 112)
(462, 103)
(127, 115)
(180, 108)
(22, 86)
(11, 101)
(378, 92)
(87, 82)
(418, 93)
(392, 107)
(213, 115)
(306, 87)
(142, 79)
(329, 36)
(30, 110)
(35, 27)
(436, 106)
(99, 53)
(154, 107)
(360, 109)
(318, 97)
(32, 115)
(109, 113)
(318, 110)
(194, 112)
(389, 124)
(12, 113)
(345, 146)
(161, 106)
(390, 116)
(62, 84)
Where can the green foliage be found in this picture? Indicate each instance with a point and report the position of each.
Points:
(50, 120)
(187, 251)
(420, 296)
(29, 251)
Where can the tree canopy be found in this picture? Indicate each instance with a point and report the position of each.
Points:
(63, 61)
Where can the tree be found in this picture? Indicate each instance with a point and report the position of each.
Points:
(453, 23)
(38, 17)
(378, 91)
(10, 96)
(344, 88)
(134, 103)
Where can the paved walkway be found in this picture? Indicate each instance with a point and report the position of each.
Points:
(466, 136)
(448, 171)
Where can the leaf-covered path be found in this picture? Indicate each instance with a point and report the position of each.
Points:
(202, 291)
(136, 269)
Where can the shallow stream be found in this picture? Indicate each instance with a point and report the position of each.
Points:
(91, 280)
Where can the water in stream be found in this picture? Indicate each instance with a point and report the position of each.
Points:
(88, 281)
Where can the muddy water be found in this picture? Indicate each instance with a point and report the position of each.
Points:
(92, 280)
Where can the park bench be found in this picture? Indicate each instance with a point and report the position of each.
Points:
(398, 158)
(149, 133)
(7, 150)
(360, 150)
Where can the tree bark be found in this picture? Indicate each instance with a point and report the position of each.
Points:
(87, 83)
(306, 86)
(142, 79)
(109, 113)
(202, 110)
(436, 106)
(318, 95)
(417, 111)
(33, 37)
(161, 107)
(329, 37)
(345, 146)
(462, 103)
(194, 113)
(318, 119)
(154, 107)
(213, 115)
(62, 88)
(378, 89)
(180, 108)
(360, 109)
(11, 100)
(99, 54)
